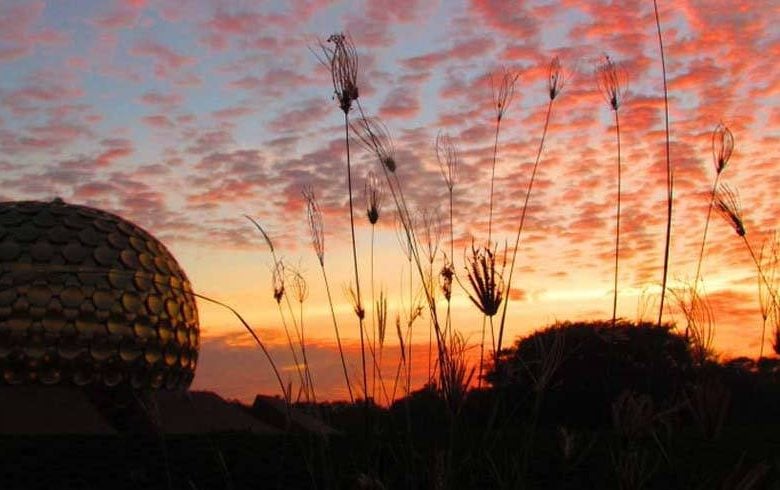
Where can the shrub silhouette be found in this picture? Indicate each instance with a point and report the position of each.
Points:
(599, 362)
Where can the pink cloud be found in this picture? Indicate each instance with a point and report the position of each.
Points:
(461, 51)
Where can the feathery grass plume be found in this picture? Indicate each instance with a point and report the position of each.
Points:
(503, 89)
(722, 148)
(729, 207)
(699, 321)
(317, 230)
(316, 226)
(339, 56)
(349, 292)
(557, 79)
(669, 170)
(613, 83)
(375, 138)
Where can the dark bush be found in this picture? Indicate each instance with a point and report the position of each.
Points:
(598, 361)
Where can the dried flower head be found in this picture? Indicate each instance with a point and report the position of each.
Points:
(277, 279)
(448, 156)
(486, 280)
(316, 227)
(557, 78)
(298, 285)
(613, 82)
(340, 57)
(374, 197)
(722, 147)
(374, 136)
(503, 87)
(728, 205)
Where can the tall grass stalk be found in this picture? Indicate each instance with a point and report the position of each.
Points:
(317, 230)
(612, 82)
(503, 91)
(669, 171)
(300, 291)
(373, 198)
(768, 257)
(722, 148)
(447, 155)
(556, 82)
(279, 292)
(342, 61)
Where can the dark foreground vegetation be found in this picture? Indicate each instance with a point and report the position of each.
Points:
(572, 406)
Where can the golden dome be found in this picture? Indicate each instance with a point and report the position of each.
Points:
(87, 297)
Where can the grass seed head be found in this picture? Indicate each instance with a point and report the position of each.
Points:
(448, 156)
(298, 285)
(503, 87)
(557, 78)
(612, 80)
(339, 55)
(316, 226)
(374, 196)
(722, 147)
(374, 136)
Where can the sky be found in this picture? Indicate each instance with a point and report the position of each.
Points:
(186, 116)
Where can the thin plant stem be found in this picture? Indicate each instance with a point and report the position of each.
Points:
(359, 305)
(292, 349)
(617, 220)
(373, 312)
(482, 351)
(706, 228)
(522, 222)
(492, 180)
(338, 336)
(669, 174)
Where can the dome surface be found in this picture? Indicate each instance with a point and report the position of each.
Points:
(89, 298)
